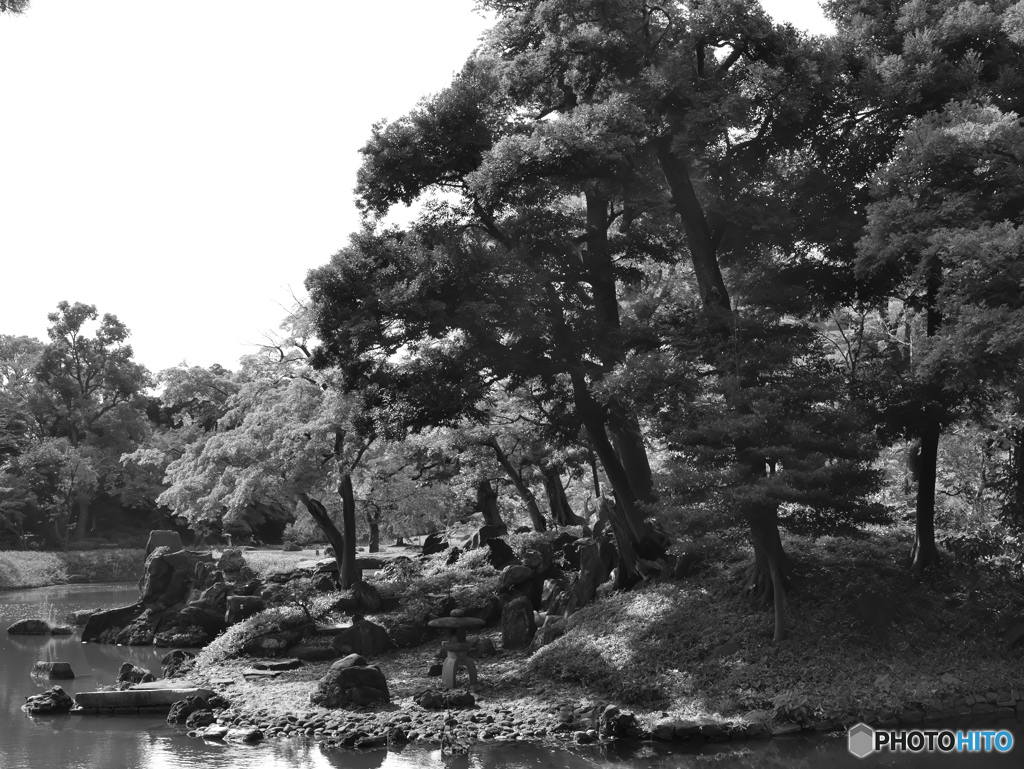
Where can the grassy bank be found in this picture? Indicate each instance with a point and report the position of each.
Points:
(23, 569)
(868, 641)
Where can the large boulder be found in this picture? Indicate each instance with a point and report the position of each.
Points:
(182, 709)
(30, 627)
(53, 670)
(54, 701)
(434, 543)
(500, 553)
(517, 623)
(240, 607)
(166, 577)
(232, 562)
(484, 534)
(367, 597)
(514, 575)
(363, 637)
(350, 682)
(163, 538)
(104, 626)
(196, 615)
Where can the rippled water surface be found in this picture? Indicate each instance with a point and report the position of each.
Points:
(103, 742)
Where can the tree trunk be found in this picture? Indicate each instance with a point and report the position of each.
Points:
(702, 246)
(641, 545)
(525, 492)
(374, 546)
(348, 573)
(561, 511)
(322, 519)
(624, 429)
(487, 503)
(82, 521)
(771, 569)
(593, 472)
(925, 553)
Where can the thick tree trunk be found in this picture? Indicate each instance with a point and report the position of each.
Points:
(348, 573)
(374, 546)
(641, 545)
(770, 572)
(524, 490)
(628, 440)
(487, 503)
(925, 553)
(703, 248)
(322, 519)
(561, 511)
(82, 520)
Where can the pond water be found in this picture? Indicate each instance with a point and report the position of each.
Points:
(102, 742)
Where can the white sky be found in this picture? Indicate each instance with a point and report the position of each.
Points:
(184, 166)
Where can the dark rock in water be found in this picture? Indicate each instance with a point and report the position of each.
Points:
(163, 538)
(182, 709)
(434, 543)
(432, 699)
(363, 637)
(103, 626)
(200, 718)
(240, 607)
(61, 630)
(193, 637)
(176, 663)
(248, 734)
(290, 547)
(54, 701)
(517, 623)
(53, 670)
(128, 675)
(618, 724)
(350, 681)
(30, 627)
(501, 554)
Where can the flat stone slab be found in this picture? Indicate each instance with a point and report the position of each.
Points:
(137, 698)
(256, 675)
(288, 663)
(164, 683)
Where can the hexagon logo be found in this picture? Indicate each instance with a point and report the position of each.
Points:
(861, 740)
